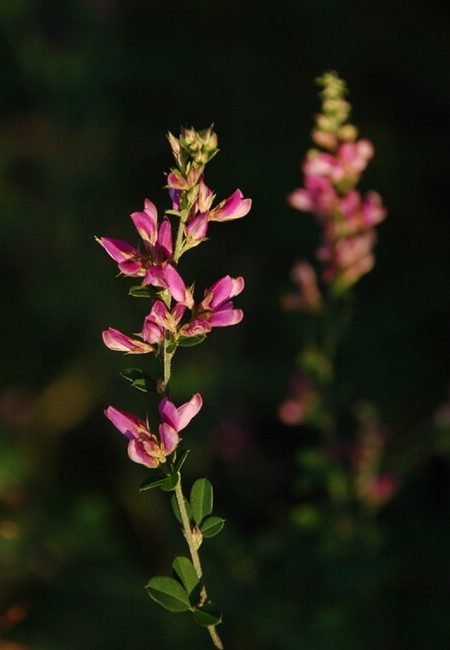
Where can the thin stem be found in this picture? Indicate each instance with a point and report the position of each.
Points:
(187, 529)
(194, 554)
(167, 359)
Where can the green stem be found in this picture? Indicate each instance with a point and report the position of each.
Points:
(167, 360)
(194, 554)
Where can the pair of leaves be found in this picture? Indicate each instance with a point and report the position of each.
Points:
(199, 509)
(183, 592)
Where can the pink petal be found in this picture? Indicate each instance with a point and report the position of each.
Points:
(119, 342)
(189, 410)
(128, 424)
(152, 332)
(165, 242)
(196, 229)
(225, 316)
(169, 278)
(119, 250)
(169, 413)
(169, 437)
(234, 207)
(145, 222)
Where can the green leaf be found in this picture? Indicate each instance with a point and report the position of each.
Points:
(184, 570)
(141, 291)
(180, 460)
(151, 483)
(190, 341)
(208, 614)
(176, 510)
(139, 379)
(201, 499)
(169, 593)
(170, 482)
(166, 483)
(212, 526)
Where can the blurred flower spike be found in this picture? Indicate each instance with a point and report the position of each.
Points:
(331, 174)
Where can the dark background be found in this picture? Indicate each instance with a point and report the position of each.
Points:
(88, 90)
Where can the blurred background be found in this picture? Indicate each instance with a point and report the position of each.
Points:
(89, 89)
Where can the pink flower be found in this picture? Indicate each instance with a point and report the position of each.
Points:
(157, 243)
(143, 446)
(234, 207)
(307, 296)
(175, 419)
(115, 340)
(216, 308)
(167, 277)
(160, 320)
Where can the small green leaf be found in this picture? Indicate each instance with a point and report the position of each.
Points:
(212, 526)
(184, 570)
(141, 291)
(201, 499)
(169, 593)
(180, 460)
(176, 510)
(171, 482)
(208, 614)
(139, 379)
(190, 341)
(151, 483)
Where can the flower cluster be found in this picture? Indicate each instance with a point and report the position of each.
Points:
(373, 488)
(331, 174)
(174, 317)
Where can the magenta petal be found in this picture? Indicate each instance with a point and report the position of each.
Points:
(169, 437)
(189, 410)
(119, 250)
(128, 424)
(219, 292)
(234, 207)
(196, 230)
(168, 277)
(145, 223)
(174, 283)
(169, 413)
(165, 243)
(119, 342)
(152, 332)
(226, 316)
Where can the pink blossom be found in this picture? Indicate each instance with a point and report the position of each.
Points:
(161, 320)
(143, 446)
(234, 207)
(376, 491)
(158, 243)
(197, 228)
(307, 296)
(175, 419)
(216, 307)
(167, 277)
(115, 340)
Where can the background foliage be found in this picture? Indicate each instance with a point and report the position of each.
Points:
(88, 90)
